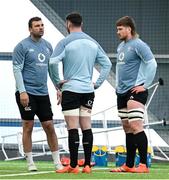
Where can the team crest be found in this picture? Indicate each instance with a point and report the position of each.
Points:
(41, 57)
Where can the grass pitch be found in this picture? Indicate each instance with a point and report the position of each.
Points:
(18, 170)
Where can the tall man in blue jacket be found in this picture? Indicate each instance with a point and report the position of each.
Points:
(78, 53)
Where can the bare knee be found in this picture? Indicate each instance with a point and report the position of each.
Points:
(48, 127)
(85, 118)
(72, 118)
(28, 127)
(136, 126)
(126, 126)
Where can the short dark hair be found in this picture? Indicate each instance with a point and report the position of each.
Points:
(128, 22)
(75, 18)
(33, 19)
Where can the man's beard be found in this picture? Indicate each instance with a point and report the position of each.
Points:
(37, 35)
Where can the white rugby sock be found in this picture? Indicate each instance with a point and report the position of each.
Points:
(56, 157)
(29, 158)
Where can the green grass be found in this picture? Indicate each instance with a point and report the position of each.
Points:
(18, 170)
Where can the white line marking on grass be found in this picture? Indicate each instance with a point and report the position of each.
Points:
(101, 168)
(43, 172)
(24, 174)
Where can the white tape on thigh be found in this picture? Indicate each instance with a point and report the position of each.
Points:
(85, 112)
(122, 113)
(136, 114)
(73, 112)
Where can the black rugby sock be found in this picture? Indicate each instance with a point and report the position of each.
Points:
(142, 143)
(73, 140)
(131, 149)
(87, 141)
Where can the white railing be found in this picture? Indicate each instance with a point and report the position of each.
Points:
(63, 133)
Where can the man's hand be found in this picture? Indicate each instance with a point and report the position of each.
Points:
(61, 83)
(24, 99)
(59, 93)
(59, 97)
(94, 85)
(138, 89)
